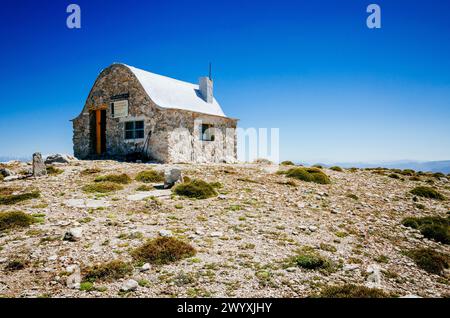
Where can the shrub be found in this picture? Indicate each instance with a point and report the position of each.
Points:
(1, 177)
(144, 188)
(9, 220)
(150, 176)
(438, 175)
(394, 176)
(263, 161)
(87, 286)
(429, 260)
(90, 171)
(427, 192)
(432, 227)
(287, 163)
(318, 166)
(163, 250)
(308, 175)
(415, 178)
(115, 178)
(16, 264)
(352, 196)
(195, 189)
(408, 172)
(53, 170)
(307, 258)
(115, 269)
(351, 291)
(102, 187)
(336, 168)
(15, 198)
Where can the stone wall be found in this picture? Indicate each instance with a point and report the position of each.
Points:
(175, 134)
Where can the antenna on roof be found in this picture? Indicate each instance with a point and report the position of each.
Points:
(210, 78)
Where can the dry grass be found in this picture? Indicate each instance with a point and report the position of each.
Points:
(115, 269)
(102, 187)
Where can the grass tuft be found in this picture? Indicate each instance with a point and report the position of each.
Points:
(287, 163)
(429, 260)
(112, 270)
(150, 176)
(102, 187)
(16, 198)
(16, 219)
(351, 291)
(115, 178)
(308, 175)
(195, 189)
(431, 227)
(163, 250)
(336, 168)
(427, 192)
(51, 170)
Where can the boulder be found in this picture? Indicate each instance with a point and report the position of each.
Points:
(171, 177)
(129, 285)
(58, 158)
(74, 279)
(6, 172)
(74, 234)
(39, 168)
(374, 278)
(165, 233)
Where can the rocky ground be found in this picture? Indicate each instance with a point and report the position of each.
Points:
(243, 237)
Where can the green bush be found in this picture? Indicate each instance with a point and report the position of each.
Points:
(198, 189)
(150, 176)
(15, 198)
(16, 219)
(287, 163)
(336, 168)
(431, 227)
(308, 175)
(408, 172)
(163, 250)
(427, 192)
(102, 187)
(309, 259)
(115, 269)
(394, 176)
(429, 260)
(115, 178)
(351, 291)
(318, 166)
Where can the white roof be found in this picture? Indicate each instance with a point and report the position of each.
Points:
(167, 92)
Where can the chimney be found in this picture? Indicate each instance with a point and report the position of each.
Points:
(206, 89)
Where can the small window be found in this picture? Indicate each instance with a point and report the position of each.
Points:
(134, 129)
(207, 132)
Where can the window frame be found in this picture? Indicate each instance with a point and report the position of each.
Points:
(204, 136)
(134, 130)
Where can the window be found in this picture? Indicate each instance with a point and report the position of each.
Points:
(134, 129)
(206, 132)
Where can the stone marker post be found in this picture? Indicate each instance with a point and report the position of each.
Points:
(39, 168)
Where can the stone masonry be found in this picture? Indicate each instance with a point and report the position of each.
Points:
(175, 133)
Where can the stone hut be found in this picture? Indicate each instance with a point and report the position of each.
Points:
(131, 112)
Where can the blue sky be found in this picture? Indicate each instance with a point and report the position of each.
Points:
(337, 90)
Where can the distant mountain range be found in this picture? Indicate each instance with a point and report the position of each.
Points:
(9, 158)
(433, 166)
